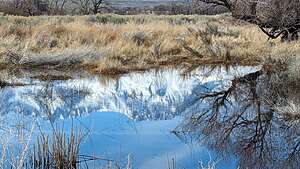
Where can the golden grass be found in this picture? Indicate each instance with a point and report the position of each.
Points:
(127, 43)
(59, 152)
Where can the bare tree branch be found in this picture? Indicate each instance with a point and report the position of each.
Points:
(282, 17)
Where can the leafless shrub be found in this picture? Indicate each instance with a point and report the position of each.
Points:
(56, 7)
(206, 38)
(274, 17)
(12, 58)
(86, 7)
(140, 38)
(191, 50)
(24, 7)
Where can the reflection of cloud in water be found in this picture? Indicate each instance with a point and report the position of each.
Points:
(140, 96)
(150, 95)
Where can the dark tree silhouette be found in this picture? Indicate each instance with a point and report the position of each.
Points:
(88, 6)
(96, 5)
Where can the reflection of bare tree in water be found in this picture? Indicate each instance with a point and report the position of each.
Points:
(54, 101)
(242, 119)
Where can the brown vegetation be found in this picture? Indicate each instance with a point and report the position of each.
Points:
(275, 17)
(60, 151)
(113, 44)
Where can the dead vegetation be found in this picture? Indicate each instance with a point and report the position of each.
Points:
(60, 151)
(120, 44)
(275, 18)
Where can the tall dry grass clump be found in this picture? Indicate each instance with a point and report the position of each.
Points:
(61, 151)
(58, 150)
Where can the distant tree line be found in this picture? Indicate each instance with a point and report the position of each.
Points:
(86, 7)
(192, 7)
(50, 7)
(174, 8)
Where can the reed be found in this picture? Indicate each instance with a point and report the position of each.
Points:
(55, 151)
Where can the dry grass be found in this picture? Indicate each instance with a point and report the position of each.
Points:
(112, 44)
(60, 152)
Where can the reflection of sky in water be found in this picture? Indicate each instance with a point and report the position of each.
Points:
(150, 143)
(141, 96)
(150, 106)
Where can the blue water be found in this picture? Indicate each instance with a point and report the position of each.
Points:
(150, 144)
(219, 117)
(131, 117)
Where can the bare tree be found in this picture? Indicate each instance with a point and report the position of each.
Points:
(29, 7)
(276, 18)
(82, 6)
(88, 6)
(96, 5)
(225, 3)
(56, 6)
(16, 3)
(24, 7)
(200, 7)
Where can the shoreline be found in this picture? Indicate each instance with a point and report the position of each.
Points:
(112, 44)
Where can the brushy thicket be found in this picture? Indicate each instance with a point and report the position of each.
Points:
(113, 44)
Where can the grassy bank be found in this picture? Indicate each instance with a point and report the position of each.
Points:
(113, 44)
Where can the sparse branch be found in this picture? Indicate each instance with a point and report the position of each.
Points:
(282, 17)
(225, 3)
(96, 4)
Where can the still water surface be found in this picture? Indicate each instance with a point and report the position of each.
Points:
(132, 116)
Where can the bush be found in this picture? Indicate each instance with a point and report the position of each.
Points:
(181, 20)
(140, 38)
(105, 19)
(217, 31)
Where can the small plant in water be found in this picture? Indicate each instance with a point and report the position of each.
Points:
(61, 151)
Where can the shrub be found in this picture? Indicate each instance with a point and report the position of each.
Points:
(105, 19)
(140, 38)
